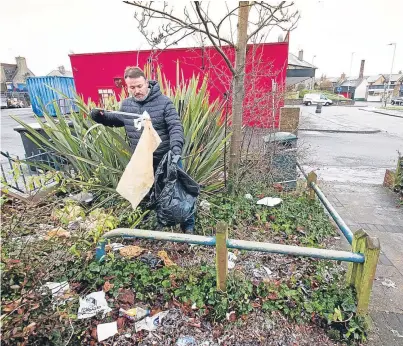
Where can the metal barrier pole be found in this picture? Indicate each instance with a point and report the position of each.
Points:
(333, 213)
(231, 243)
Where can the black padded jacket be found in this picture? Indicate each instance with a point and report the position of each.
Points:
(164, 118)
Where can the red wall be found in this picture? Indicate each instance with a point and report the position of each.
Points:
(265, 62)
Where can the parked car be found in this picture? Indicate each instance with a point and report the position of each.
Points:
(14, 103)
(398, 101)
(310, 99)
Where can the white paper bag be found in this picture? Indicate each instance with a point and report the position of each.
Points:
(138, 177)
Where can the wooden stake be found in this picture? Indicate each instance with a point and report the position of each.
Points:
(312, 178)
(362, 275)
(222, 255)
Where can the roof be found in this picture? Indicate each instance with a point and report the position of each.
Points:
(353, 82)
(59, 74)
(9, 70)
(294, 61)
(373, 79)
(394, 77)
(295, 80)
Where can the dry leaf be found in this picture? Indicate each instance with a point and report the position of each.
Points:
(167, 261)
(58, 232)
(131, 251)
(107, 286)
(28, 329)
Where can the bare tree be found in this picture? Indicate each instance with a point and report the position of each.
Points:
(163, 27)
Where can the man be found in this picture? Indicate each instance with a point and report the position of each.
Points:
(146, 96)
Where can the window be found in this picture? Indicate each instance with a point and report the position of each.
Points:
(104, 95)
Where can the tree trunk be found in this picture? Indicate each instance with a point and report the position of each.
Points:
(238, 92)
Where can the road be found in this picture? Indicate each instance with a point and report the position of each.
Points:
(10, 139)
(350, 157)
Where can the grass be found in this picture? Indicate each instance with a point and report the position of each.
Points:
(393, 108)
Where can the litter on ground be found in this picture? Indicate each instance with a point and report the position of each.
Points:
(269, 201)
(92, 304)
(106, 330)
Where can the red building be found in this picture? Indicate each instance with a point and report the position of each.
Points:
(98, 74)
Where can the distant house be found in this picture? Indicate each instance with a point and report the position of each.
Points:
(300, 73)
(13, 76)
(60, 72)
(353, 87)
(378, 85)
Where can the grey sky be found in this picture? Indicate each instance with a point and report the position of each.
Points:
(45, 31)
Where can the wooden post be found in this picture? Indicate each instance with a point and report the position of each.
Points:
(222, 255)
(362, 275)
(312, 177)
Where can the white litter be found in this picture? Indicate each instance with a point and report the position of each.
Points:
(106, 330)
(204, 205)
(389, 283)
(248, 196)
(58, 289)
(92, 304)
(150, 323)
(268, 271)
(396, 333)
(116, 246)
(231, 260)
(269, 201)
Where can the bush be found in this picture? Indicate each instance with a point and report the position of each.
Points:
(98, 155)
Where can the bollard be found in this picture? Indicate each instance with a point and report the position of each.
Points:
(222, 256)
(318, 108)
(312, 178)
(362, 275)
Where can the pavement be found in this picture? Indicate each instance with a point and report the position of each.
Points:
(351, 168)
(390, 112)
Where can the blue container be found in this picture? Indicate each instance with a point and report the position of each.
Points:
(41, 93)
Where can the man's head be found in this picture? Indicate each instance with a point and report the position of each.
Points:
(137, 83)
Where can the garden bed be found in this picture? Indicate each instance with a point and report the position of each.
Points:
(271, 299)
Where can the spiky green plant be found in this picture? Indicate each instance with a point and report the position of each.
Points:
(98, 155)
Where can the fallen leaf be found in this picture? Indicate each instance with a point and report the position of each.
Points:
(131, 251)
(167, 261)
(155, 311)
(94, 333)
(126, 297)
(29, 328)
(121, 322)
(231, 316)
(272, 296)
(58, 233)
(107, 286)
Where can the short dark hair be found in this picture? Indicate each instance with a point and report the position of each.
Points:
(134, 72)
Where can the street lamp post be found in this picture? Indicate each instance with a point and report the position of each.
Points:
(391, 71)
(313, 78)
(349, 76)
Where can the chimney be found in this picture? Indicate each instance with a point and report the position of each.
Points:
(301, 54)
(21, 65)
(362, 69)
(61, 69)
(343, 76)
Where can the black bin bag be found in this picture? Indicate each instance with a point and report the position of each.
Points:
(174, 193)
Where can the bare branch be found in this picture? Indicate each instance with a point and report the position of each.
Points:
(219, 50)
(170, 16)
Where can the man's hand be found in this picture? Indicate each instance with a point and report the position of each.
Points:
(177, 150)
(96, 114)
